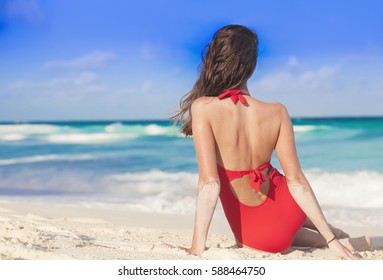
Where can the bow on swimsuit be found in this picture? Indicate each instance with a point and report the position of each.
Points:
(270, 226)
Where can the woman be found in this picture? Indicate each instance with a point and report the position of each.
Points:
(234, 136)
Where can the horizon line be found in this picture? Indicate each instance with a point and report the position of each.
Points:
(167, 119)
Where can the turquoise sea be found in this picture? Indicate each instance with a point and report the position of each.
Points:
(148, 165)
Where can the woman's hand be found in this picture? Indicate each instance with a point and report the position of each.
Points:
(190, 251)
(341, 251)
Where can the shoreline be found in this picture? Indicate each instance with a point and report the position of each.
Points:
(46, 230)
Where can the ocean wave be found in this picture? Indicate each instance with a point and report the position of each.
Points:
(44, 158)
(20, 132)
(152, 182)
(175, 192)
(12, 137)
(90, 133)
(154, 190)
(114, 127)
(309, 128)
(341, 189)
(143, 130)
(28, 128)
(162, 191)
(154, 129)
(84, 138)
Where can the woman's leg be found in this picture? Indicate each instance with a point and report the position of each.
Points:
(337, 231)
(306, 237)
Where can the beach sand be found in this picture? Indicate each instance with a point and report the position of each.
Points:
(45, 230)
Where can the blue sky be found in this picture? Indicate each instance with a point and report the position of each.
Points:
(115, 59)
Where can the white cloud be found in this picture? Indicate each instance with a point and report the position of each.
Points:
(73, 86)
(293, 61)
(85, 78)
(346, 87)
(22, 84)
(147, 86)
(304, 81)
(96, 59)
(144, 89)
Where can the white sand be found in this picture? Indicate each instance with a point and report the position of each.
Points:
(31, 230)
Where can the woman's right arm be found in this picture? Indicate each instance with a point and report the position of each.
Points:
(299, 187)
(208, 182)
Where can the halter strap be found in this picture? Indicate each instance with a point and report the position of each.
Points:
(235, 95)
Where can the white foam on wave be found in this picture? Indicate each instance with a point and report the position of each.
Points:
(354, 196)
(86, 138)
(138, 130)
(19, 132)
(53, 157)
(114, 127)
(154, 181)
(155, 190)
(308, 128)
(360, 189)
(153, 129)
(83, 135)
(12, 137)
(142, 130)
(28, 128)
(175, 192)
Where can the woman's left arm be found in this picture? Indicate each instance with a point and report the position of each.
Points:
(208, 182)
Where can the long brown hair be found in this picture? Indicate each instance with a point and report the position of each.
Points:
(229, 61)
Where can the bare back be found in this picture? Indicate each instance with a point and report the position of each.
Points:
(245, 137)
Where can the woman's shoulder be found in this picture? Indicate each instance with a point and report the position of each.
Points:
(201, 102)
(273, 107)
(280, 109)
(277, 106)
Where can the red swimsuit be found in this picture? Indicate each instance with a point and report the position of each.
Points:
(270, 226)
